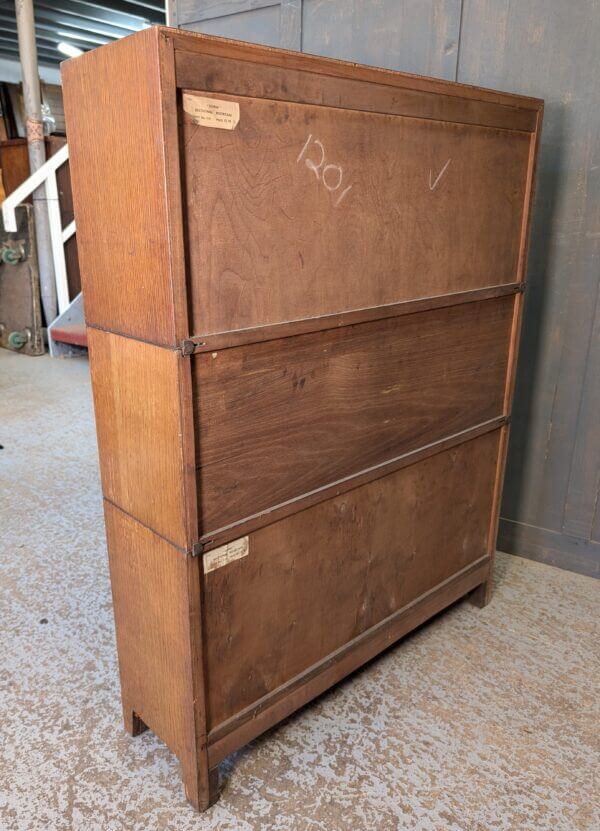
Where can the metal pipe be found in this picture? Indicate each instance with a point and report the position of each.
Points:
(37, 151)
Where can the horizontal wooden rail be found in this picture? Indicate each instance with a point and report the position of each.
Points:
(213, 539)
(333, 67)
(240, 337)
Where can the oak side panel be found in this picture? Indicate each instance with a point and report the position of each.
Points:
(136, 390)
(148, 578)
(155, 590)
(278, 419)
(118, 154)
(274, 234)
(316, 580)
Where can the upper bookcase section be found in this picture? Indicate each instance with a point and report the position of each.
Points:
(225, 187)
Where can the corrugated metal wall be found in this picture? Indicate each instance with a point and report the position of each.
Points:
(546, 48)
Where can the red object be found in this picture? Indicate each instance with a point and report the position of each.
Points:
(73, 333)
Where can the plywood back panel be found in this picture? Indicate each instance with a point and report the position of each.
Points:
(311, 211)
(278, 419)
(320, 578)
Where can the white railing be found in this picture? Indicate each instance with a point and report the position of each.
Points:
(46, 174)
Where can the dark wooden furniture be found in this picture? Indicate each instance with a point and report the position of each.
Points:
(20, 301)
(14, 163)
(303, 286)
(14, 167)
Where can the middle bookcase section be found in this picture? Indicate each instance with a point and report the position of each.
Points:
(280, 419)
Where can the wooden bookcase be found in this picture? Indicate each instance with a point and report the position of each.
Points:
(303, 285)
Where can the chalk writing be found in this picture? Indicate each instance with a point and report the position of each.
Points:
(433, 185)
(330, 175)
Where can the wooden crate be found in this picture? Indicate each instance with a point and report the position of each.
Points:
(303, 285)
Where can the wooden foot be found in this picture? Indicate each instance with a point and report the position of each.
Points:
(482, 595)
(133, 723)
(202, 792)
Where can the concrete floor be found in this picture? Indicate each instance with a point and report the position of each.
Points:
(480, 720)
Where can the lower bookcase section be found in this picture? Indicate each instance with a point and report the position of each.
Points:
(214, 650)
(283, 701)
(293, 593)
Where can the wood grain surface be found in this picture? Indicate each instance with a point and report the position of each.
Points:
(273, 707)
(137, 409)
(119, 173)
(156, 599)
(148, 578)
(277, 419)
(245, 78)
(14, 164)
(256, 334)
(321, 577)
(353, 251)
(291, 242)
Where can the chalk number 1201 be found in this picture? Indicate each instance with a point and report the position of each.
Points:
(331, 175)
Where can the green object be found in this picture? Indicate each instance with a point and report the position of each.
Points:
(10, 256)
(17, 340)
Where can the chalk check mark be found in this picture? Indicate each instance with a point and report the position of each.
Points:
(433, 185)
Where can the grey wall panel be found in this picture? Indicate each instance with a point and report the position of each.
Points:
(256, 25)
(553, 548)
(549, 48)
(270, 22)
(410, 35)
(196, 10)
(596, 522)
(581, 507)
(582, 517)
(290, 25)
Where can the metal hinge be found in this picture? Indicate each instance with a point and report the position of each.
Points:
(187, 347)
(197, 549)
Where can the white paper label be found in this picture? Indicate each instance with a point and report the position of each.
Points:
(212, 112)
(227, 553)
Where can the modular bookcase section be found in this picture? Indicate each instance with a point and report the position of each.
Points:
(303, 284)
